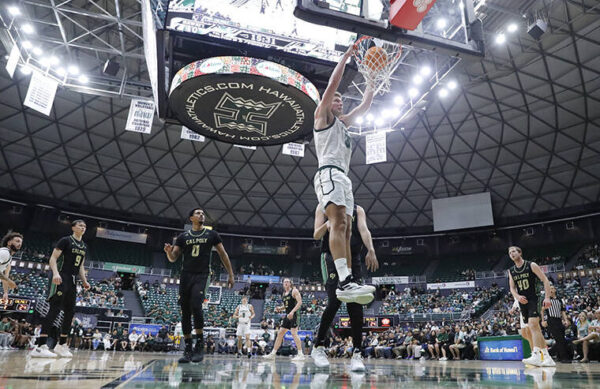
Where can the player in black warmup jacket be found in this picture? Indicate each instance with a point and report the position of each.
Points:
(66, 262)
(196, 245)
(360, 238)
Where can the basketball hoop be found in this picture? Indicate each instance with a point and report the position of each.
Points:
(377, 59)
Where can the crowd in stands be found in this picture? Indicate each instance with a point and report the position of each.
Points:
(260, 269)
(419, 301)
(102, 294)
(589, 258)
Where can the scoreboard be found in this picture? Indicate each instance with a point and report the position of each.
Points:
(17, 304)
(373, 322)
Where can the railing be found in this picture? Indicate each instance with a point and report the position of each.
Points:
(552, 268)
(421, 317)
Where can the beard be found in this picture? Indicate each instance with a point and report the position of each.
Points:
(13, 248)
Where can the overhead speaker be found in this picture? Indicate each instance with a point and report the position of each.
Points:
(111, 67)
(537, 29)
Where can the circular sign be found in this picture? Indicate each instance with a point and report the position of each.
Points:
(245, 101)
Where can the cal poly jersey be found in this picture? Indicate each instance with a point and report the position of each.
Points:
(196, 248)
(5, 258)
(526, 282)
(356, 243)
(73, 255)
(334, 146)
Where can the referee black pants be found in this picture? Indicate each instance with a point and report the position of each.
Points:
(557, 330)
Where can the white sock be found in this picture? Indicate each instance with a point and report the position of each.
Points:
(342, 268)
(536, 350)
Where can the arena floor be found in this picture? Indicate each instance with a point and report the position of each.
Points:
(158, 370)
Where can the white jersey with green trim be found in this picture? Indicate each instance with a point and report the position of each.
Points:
(334, 146)
(5, 258)
(244, 313)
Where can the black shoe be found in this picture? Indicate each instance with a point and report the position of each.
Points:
(249, 355)
(198, 354)
(239, 355)
(187, 356)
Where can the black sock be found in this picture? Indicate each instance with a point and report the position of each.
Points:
(41, 340)
(63, 339)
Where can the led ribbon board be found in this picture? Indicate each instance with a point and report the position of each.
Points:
(243, 100)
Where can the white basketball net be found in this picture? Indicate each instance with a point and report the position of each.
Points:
(379, 78)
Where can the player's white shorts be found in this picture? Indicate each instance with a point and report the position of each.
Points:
(243, 330)
(333, 186)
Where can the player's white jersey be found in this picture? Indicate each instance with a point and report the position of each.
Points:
(334, 146)
(244, 313)
(5, 258)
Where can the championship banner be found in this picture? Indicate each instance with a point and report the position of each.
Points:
(390, 280)
(117, 267)
(188, 134)
(13, 60)
(293, 149)
(451, 285)
(376, 148)
(41, 92)
(141, 113)
(503, 348)
(145, 328)
(257, 278)
(105, 233)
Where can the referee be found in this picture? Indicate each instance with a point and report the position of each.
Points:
(556, 313)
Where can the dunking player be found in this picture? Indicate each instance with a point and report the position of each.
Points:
(292, 301)
(361, 237)
(332, 184)
(524, 278)
(244, 313)
(11, 243)
(66, 262)
(195, 245)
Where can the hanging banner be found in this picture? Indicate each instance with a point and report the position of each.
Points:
(293, 149)
(376, 148)
(124, 236)
(390, 280)
(13, 60)
(245, 147)
(188, 134)
(451, 285)
(41, 92)
(141, 113)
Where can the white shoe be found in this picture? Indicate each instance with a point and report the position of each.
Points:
(352, 292)
(534, 360)
(42, 352)
(299, 357)
(548, 361)
(269, 356)
(62, 350)
(356, 364)
(365, 299)
(443, 359)
(319, 357)
(319, 380)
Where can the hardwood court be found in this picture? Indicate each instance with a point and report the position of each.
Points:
(160, 370)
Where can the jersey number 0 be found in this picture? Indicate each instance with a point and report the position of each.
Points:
(195, 250)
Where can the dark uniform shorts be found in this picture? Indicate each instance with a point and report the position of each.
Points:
(193, 286)
(531, 309)
(65, 293)
(289, 324)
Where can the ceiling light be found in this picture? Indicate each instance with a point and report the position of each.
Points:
(61, 72)
(397, 112)
(413, 92)
(54, 60)
(83, 79)
(417, 79)
(370, 117)
(398, 99)
(441, 23)
(452, 85)
(25, 69)
(443, 93)
(27, 45)
(500, 39)
(72, 69)
(379, 121)
(360, 120)
(14, 11)
(512, 27)
(37, 51)
(28, 29)
(425, 71)
(386, 113)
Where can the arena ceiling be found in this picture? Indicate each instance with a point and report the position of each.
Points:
(525, 126)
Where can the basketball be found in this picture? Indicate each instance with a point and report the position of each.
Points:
(375, 58)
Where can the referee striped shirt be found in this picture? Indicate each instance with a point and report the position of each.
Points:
(556, 308)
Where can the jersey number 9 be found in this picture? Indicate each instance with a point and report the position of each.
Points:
(78, 260)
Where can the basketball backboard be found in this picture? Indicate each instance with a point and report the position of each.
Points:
(449, 27)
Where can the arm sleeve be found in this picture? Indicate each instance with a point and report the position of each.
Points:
(63, 243)
(216, 238)
(180, 241)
